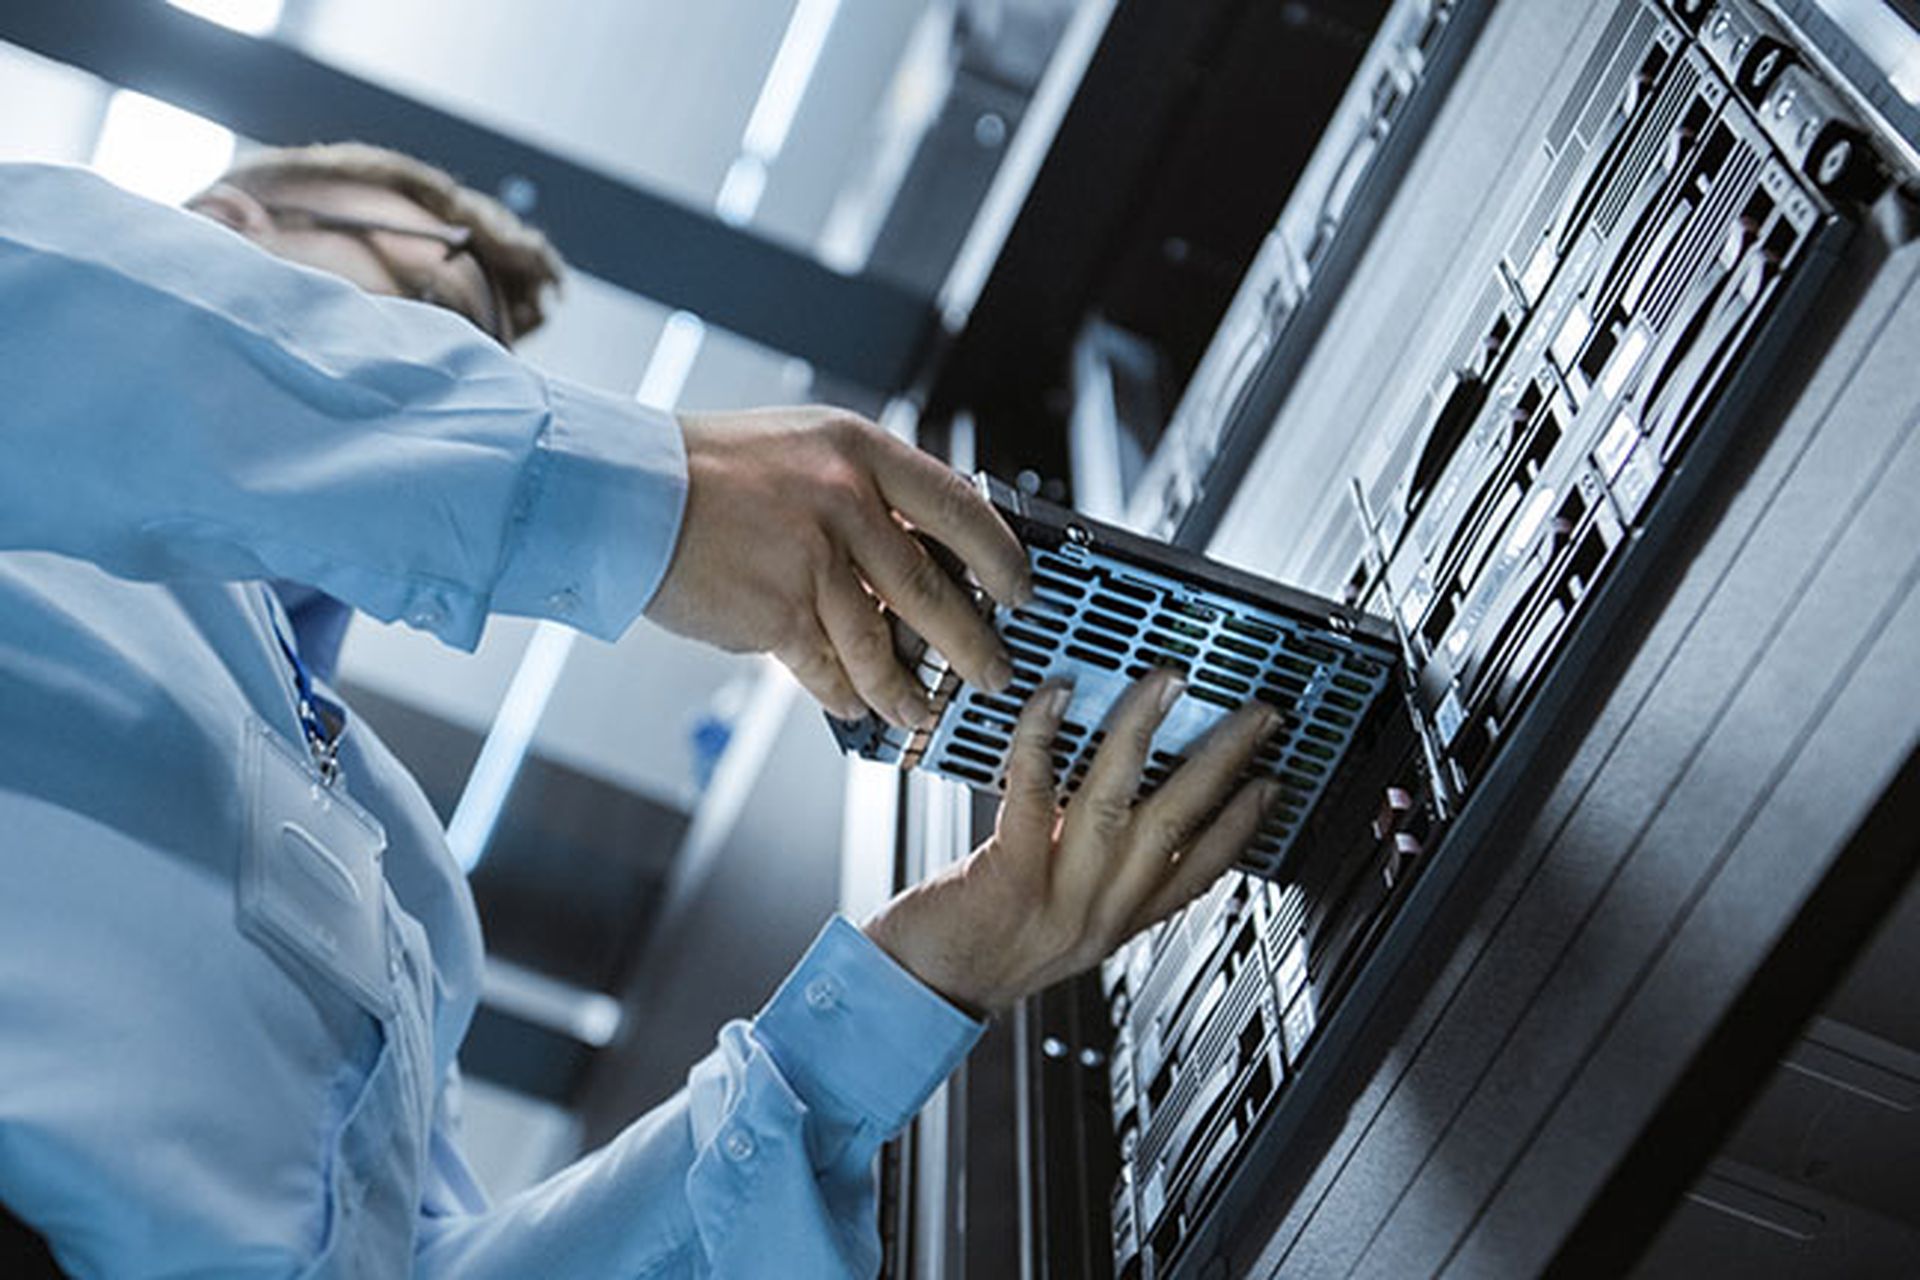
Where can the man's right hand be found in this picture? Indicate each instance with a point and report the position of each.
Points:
(797, 530)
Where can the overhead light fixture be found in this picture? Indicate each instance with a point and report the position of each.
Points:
(249, 17)
(740, 191)
(510, 736)
(672, 361)
(787, 79)
(478, 812)
(157, 150)
(674, 355)
(773, 111)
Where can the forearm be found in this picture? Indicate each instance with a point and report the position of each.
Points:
(180, 404)
(763, 1166)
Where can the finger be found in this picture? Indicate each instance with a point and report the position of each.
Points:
(1182, 805)
(1114, 777)
(1211, 852)
(863, 643)
(1170, 820)
(814, 665)
(929, 601)
(939, 500)
(1032, 803)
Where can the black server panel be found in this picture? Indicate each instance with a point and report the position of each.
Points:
(1683, 227)
(1692, 195)
(1306, 261)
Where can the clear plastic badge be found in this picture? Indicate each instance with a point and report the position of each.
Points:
(311, 881)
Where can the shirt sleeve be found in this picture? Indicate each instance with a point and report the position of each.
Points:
(178, 403)
(762, 1166)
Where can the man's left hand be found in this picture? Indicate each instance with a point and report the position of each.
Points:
(796, 532)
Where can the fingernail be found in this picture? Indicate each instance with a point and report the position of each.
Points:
(916, 713)
(1057, 700)
(999, 674)
(1170, 693)
(1270, 721)
(1024, 593)
(1269, 796)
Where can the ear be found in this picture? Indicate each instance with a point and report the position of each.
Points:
(233, 208)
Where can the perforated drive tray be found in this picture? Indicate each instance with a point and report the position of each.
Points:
(1110, 607)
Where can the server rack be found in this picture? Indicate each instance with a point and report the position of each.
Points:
(1600, 396)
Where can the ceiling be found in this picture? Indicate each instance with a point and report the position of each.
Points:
(657, 92)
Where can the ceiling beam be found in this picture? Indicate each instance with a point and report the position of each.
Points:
(869, 331)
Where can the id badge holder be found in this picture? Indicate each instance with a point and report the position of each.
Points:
(311, 880)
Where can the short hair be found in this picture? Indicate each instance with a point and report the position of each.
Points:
(519, 258)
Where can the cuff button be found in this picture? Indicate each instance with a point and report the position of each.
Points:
(823, 995)
(738, 1145)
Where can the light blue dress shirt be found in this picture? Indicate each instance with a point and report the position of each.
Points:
(225, 1051)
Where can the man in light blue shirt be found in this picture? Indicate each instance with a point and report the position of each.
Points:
(236, 957)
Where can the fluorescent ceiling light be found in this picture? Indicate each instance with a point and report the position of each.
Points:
(505, 749)
(159, 151)
(786, 81)
(740, 191)
(672, 361)
(251, 17)
(510, 737)
(591, 1017)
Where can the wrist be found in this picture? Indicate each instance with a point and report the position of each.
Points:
(932, 965)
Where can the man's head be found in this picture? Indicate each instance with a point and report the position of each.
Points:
(392, 225)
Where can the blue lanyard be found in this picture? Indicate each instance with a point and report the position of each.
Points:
(323, 721)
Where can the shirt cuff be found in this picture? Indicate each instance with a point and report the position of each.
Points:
(599, 513)
(857, 1036)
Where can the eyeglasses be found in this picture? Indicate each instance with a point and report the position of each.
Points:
(493, 318)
